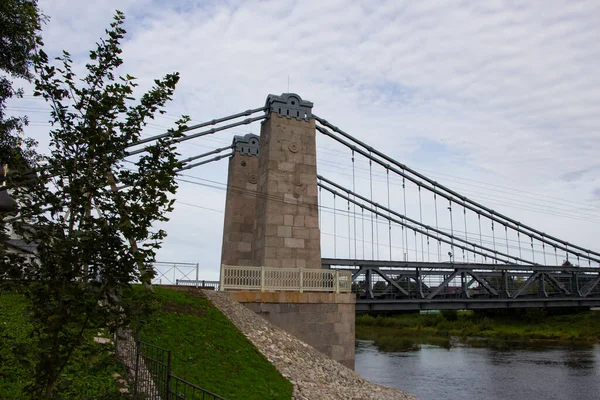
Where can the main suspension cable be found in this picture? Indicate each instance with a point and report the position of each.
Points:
(472, 205)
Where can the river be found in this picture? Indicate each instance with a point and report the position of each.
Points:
(433, 373)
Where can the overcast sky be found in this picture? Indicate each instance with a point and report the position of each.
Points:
(497, 99)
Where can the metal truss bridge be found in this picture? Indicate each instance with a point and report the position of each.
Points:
(397, 285)
(412, 242)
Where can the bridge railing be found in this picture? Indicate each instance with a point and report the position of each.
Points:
(202, 284)
(284, 279)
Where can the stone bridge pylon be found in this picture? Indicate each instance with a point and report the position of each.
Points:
(271, 211)
(271, 254)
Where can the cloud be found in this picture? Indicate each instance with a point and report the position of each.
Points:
(580, 174)
(501, 92)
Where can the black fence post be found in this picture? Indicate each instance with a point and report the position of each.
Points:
(137, 365)
(168, 394)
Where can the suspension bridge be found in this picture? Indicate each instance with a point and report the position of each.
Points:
(408, 241)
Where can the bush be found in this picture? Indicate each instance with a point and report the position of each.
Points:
(534, 315)
(450, 315)
(431, 320)
(365, 320)
(394, 343)
(485, 325)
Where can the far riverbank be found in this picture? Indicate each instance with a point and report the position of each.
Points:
(450, 328)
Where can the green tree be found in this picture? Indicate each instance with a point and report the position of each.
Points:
(20, 24)
(90, 214)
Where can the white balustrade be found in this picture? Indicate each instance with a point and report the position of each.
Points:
(285, 279)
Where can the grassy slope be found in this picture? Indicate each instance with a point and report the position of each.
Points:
(89, 376)
(209, 351)
(403, 332)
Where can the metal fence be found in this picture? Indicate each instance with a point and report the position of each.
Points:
(149, 369)
(168, 273)
(183, 390)
(285, 279)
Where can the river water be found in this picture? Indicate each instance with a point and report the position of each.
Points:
(433, 373)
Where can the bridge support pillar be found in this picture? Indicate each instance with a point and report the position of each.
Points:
(322, 320)
(272, 220)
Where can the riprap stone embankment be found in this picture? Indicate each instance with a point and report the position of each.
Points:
(313, 375)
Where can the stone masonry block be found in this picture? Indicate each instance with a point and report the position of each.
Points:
(275, 219)
(288, 263)
(289, 198)
(285, 187)
(297, 158)
(332, 318)
(246, 228)
(315, 233)
(276, 242)
(294, 243)
(304, 210)
(272, 262)
(288, 219)
(308, 179)
(302, 253)
(307, 169)
(309, 308)
(328, 308)
(290, 209)
(302, 233)
(271, 230)
(284, 231)
(244, 247)
(311, 221)
(283, 252)
(310, 160)
(312, 244)
(271, 252)
(272, 185)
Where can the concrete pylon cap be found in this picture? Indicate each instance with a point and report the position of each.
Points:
(7, 203)
(290, 105)
(247, 144)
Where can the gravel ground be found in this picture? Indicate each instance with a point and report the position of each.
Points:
(314, 375)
